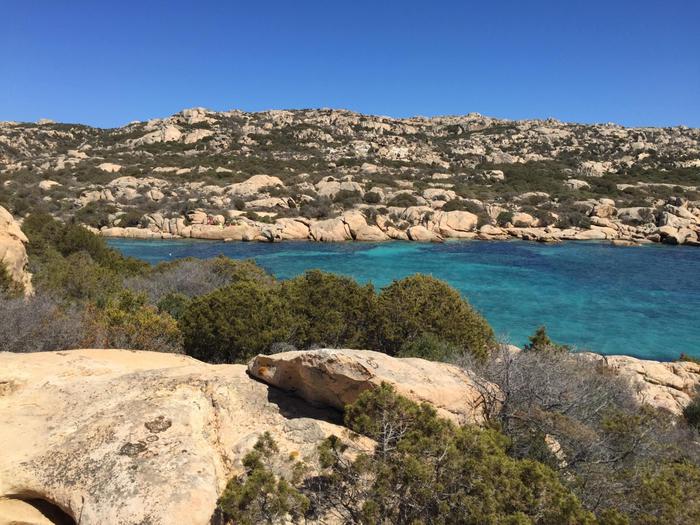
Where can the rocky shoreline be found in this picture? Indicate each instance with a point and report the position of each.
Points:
(678, 224)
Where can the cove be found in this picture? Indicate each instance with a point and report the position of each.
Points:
(638, 301)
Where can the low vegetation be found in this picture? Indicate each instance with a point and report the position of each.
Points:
(564, 441)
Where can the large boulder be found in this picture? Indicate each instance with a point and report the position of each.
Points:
(420, 233)
(456, 223)
(335, 378)
(669, 386)
(253, 185)
(291, 229)
(360, 230)
(13, 254)
(330, 230)
(118, 436)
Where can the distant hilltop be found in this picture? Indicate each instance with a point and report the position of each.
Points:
(278, 174)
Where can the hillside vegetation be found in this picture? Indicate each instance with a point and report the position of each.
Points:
(334, 175)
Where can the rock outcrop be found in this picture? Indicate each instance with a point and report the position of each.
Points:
(117, 436)
(13, 254)
(337, 377)
(669, 386)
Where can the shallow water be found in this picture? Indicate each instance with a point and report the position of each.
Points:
(641, 301)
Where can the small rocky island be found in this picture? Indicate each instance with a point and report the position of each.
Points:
(333, 175)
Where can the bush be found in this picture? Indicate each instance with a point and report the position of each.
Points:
(540, 342)
(421, 305)
(48, 236)
(430, 347)
(259, 496)
(8, 286)
(504, 218)
(403, 200)
(329, 310)
(192, 277)
(372, 197)
(77, 277)
(131, 218)
(235, 323)
(573, 219)
(463, 205)
(424, 469)
(319, 208)
(39, 324)
(127, 321)
(347, 198)
(95, 214)
(691, 413)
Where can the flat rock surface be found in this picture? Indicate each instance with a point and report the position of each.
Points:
(124, 437)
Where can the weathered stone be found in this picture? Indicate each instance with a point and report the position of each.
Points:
(336, 378)
(13, 254)
(422, 234)
(118, 436)
(330, 230)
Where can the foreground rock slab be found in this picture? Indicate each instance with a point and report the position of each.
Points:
(337, 377)
(125, 437)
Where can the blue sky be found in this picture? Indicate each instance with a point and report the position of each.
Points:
(107, 63)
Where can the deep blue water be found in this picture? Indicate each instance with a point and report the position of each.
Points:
(641, 301)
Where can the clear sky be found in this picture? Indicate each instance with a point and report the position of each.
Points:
(105, 63)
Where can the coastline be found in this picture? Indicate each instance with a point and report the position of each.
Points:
(353, 226)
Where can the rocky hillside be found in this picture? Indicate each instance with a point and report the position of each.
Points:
(332, 175)
(118, 436)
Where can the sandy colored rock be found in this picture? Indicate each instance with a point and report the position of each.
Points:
(422, 234)
(46, 185)
(18, 512)
(291, 229)
(253, 185)
(455, 223)
(109, 167)
(13, 254)
(125, 437)
(336, 378)
(330, 230)
(663, 385)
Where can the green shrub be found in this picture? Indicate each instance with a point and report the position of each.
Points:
(232, 324)
(259, 496)
(347, 198)
(95, 214)
(9, 287)
(540, 342)
(174, 304)
(425, 469)
(319, 208)
(329, 310)
(430, 347)
(420, 305)
(691, 413)
(372, 197)
(504, 218)
(403, 200)
(127, 321)
(132, 218)
(573, 219)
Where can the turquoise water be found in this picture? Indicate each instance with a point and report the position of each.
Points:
(640, 301)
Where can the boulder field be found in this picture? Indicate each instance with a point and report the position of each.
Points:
(121, 436)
